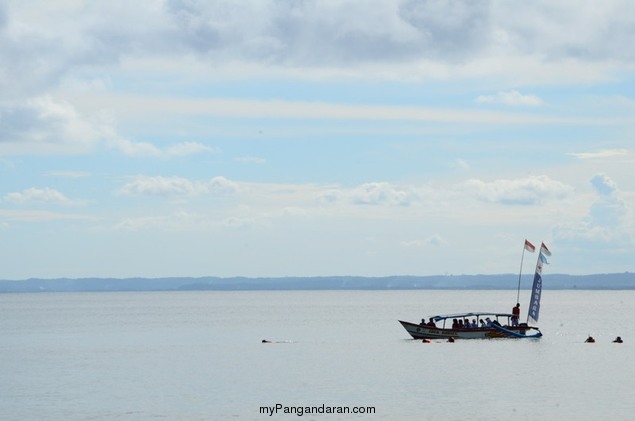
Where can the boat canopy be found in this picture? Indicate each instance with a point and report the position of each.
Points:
(477, 314)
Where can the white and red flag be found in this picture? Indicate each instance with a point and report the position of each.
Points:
(529, 247)
(544, 250)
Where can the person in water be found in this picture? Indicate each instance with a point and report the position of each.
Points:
(515, 314)
(590, 340)
(618, 340)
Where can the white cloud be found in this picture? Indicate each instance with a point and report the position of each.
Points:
(609, 219)
(389, 39)
(383, 194)
(460, 164)
(68, 174)
(522, 191)
(41, 216)
(41, 196)
(251, 160)
(237, 222)
(146, 222)
(377, 193)
(187, 148)
(177, 186)
(604, 185)
(510, 98)
(146, 149)
(435, 241)
(295, 110)
(221, 185)
(606, 153)
(46, 125)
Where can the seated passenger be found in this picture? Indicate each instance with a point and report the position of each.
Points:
(488, 322)
(482, 323)
(455, 324)
(431, 323)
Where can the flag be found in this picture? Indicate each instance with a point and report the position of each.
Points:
(544, 250)
(536, 292)
(529, 247)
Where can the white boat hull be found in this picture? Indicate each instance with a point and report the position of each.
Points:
(418, 331)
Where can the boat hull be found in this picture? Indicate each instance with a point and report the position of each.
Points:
(418, 331)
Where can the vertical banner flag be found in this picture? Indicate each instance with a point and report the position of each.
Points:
(536, 290)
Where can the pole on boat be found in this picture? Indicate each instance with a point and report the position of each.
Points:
(519, 275)
(530, 247)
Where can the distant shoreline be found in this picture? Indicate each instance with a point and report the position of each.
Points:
(613, 281)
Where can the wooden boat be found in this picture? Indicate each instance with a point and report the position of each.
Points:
(483, 325)
(499, 327)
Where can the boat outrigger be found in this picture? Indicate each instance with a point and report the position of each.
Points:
(486, 325)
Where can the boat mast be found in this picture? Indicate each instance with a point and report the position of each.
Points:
(520, 274)
(531, 248)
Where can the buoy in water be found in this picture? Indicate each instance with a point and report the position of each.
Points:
(426, 341)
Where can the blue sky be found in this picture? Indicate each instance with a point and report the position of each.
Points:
(304, 138)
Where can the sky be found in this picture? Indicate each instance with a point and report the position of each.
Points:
(315, 138)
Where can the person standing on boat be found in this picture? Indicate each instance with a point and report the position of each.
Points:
(515, 314)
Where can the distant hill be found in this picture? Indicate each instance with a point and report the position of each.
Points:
(612, 281)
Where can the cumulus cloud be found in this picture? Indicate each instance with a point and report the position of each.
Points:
(383, 194)
(45, 125)
(176, 186)
(523, 191)
(376, 193)
(604, 185)
(41, 196)
(43, 44)
(306, 35)
(610, 209)
(509, 98)
(609, 219)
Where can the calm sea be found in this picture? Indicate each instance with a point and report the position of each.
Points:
(199, 356)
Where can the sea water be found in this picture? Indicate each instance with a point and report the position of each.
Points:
(200, 356)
